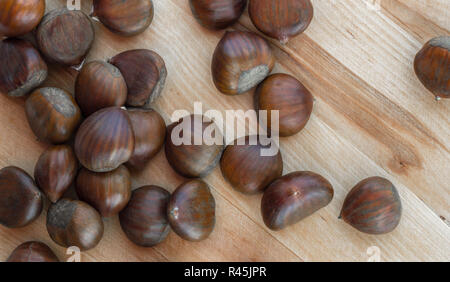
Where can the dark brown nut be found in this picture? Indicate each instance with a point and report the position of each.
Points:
(18, 17)
(65, 37)
(25, 69)
(99, 85)
(127, 18)
(192, 211)
(281, 19)
(55, 171)
(246, 169)
(74, 223)
(20, 200)
(108, 192)
(191, 159)
(144, 220)
(105, 140)
(285, 94)
(32, 252)
(293, 197)
(373, 206)
(53, 114)
(217, 14)
(145, 74)
(149, 135)
(240, 62)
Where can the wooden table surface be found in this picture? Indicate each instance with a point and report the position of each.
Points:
(371, 117)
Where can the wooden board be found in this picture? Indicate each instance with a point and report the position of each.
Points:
(371, 117)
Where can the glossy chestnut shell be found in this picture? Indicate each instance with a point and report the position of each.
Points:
(432, 66)
(240, 62)
(285, 94)
(18, 17)
(192, 210)
(188, 157)
(144, 220)
(65, 36)
(217, 14)
(126, 18)
(293, 197)
(99, 85)
(55, 171)
(53, 114)
(281, 19)
(32, 252)
(105, 140)
(246, 169)
(149, 134)
(108, 192)
(21, 201)
(74, 223)
(25, 69)
(145, 75)
(373, 206)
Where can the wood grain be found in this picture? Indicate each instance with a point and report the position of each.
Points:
(372, 117)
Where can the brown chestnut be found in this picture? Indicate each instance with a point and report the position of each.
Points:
(285, 94)
(373, 206)
(127, 18)
(144, 220)
(105, 140)
(18, 17)
(74, 223)
(217, 14)
(65, 36)
(432, 66)
(99, 85)
(185, 154)
(108, 192)
(246, 169)
(145, 74)
(281, 19)
(55, 171)
(20, 199)
(149, 134)
(192, 210)
(25, 69)
(32, 252)
(53, 114)
(240, 62)
(293, 197)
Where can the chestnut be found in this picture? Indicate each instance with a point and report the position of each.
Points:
(18, 17)
(432, 66)
(99, 85)
(20, 200)
(281, 19)
(105, 140)
(373, 206)
(53, 114)
(240, 62)
(192, 210)
(108, 192)
(184, 154)
(125, 17)
(25, 69)
(246, 169)
(149, 134)
(217, 14)
(144, 219)
(65, 36)
(55, 171)
(74, 223)
(145, 75)
(32, 252)
(285, 94)
(293, 197)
